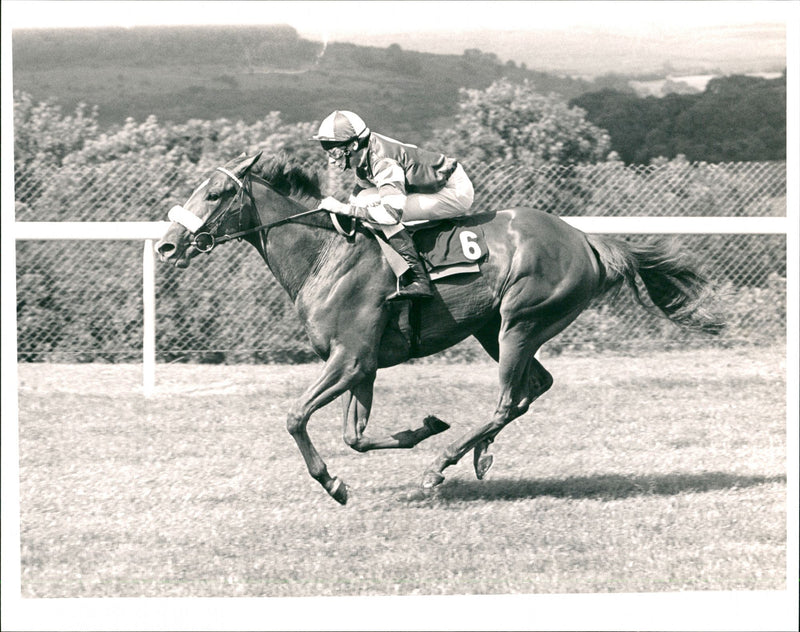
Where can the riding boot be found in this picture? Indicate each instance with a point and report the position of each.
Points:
(419, 286)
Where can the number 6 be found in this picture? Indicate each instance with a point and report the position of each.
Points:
(469, 245)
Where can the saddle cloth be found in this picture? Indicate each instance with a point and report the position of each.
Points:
(445, 247)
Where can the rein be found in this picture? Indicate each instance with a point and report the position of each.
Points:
(204, 240)
(230, 236)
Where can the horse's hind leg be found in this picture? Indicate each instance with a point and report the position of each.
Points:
(509, 348)
(522, 380)
(540, 383)
(357, 407)
(488, 336)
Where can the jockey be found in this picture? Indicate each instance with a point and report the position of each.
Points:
(394, 181)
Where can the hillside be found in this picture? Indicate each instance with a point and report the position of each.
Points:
(593, 52)
(241, 73)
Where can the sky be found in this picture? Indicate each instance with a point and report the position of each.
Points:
(340, 19)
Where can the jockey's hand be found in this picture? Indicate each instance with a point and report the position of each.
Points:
(335, 206)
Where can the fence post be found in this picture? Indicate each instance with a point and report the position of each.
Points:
(149, 316)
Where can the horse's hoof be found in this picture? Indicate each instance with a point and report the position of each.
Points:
(435, 425)
(338, 491)
(432, 479)
(482, 464)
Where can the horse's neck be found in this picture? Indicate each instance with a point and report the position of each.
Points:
(292, 250)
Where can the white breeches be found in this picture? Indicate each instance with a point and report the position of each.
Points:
(453, 200)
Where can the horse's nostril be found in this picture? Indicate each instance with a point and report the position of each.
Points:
(165, 249)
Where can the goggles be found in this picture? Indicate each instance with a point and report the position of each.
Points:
(337, 153)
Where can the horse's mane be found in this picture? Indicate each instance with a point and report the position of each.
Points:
(289, 178)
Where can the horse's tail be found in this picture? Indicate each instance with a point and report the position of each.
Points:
(675, 288)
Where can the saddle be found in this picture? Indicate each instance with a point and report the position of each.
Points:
(446, 247)
(449, 247)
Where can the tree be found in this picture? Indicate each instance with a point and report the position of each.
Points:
(513, 122)
(45, 136)
(736, 118)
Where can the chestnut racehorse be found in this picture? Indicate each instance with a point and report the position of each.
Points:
(539, 274)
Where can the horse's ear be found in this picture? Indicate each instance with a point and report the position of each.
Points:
(248, 163)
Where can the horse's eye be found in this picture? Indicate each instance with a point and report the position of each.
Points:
(212, 197)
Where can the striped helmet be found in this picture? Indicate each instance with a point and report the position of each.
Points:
(341, 126)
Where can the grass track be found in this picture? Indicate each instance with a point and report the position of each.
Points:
(661, 473)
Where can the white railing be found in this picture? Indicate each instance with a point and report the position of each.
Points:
(150, 232)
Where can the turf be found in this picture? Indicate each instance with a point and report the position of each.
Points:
(660, 473)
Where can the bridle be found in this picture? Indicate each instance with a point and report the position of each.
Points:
(203, 238)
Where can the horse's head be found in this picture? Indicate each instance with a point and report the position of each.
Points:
(215, 208)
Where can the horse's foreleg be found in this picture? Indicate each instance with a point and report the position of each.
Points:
(337, 376)
(357, 407)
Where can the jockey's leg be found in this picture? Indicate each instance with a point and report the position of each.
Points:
(454, 200)
(419, 285)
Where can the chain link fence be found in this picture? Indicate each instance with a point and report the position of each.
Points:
(80, 301)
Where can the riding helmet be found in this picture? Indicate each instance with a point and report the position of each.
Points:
(341, 126)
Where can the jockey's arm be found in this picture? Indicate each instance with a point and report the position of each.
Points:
(388, 209)
(357, 188)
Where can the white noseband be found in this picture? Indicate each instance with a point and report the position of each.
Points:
(185, 218)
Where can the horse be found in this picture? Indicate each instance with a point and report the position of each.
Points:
(539, 274)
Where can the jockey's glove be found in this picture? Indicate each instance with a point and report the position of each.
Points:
(335, 206)
(340, 208)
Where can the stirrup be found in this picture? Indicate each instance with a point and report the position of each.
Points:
(404, 293)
